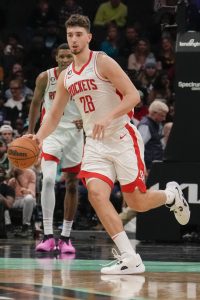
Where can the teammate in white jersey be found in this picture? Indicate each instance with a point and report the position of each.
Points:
(64, 145)
(114, 150)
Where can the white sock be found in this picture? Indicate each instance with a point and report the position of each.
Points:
(123, 243)
(49, 171)
(48, 226)
(67, 227)
(170, 196)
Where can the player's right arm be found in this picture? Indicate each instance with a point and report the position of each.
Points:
(34, 112)
(56, 111)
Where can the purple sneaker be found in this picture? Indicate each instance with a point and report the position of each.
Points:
(46, 245)
(65, 247)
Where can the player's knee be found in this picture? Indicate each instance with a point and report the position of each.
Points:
(29, 198)
(94, 196)
(48, 181)
(138, 203)
(137, 200)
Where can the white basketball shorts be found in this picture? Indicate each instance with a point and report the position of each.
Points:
(65, 145)
(117, 157)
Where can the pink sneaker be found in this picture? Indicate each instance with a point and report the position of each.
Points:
(46, 245)
(65, 247)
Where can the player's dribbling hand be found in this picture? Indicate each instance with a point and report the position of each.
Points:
(35, 138)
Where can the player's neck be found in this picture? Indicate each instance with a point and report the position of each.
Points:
(58, 71)
(82, 58)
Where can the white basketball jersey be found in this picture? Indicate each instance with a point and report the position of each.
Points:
(71, 112)
(94, 95)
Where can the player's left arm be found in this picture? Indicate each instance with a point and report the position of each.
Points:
(111, 71)
(56, 111)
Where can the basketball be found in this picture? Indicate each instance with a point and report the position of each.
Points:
(23, 152)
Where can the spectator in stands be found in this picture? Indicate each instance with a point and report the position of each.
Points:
(5, 112)
(68, 8)
(11, 75)
(113, 11)
(166, 56)
(24, 184)
(19, 127)
(4, 162)
(12, 53)
(111, 44)
(16, 67)
(161, 88)
(150, 128)
(148, 75)
(19, 75)
(16, 101)
(130, 40)
(7, 133)
(137, 59)
(41, 15)
(7, 197)
(52, 35)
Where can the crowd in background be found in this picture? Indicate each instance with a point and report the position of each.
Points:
(146, 51)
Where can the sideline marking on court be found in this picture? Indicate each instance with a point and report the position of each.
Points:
(91, 265)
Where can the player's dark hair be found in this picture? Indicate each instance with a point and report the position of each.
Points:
(63, 46)
(78, 20)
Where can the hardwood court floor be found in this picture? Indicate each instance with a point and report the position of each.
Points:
(172, 271)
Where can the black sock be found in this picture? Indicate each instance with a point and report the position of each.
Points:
(64, 238)
(47, 236)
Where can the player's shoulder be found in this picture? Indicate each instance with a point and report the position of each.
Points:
(103, 57)
(62, 74)
(42, 77)
(104, 62)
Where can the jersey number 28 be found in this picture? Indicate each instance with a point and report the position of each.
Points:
(88, 104)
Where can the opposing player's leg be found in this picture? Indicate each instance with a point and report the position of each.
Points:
(70, 208)
(49, 171)
(127, 261)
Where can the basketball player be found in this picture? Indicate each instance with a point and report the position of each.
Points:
(114, 148)
(65, 144)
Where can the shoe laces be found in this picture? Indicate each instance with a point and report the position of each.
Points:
(117, 257)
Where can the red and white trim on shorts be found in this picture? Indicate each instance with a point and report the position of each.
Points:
(83, 175)
(140, 180)
(75, 169)
(51, 157)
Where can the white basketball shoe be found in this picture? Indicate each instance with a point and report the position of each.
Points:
(180, 206)
(124, 264)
